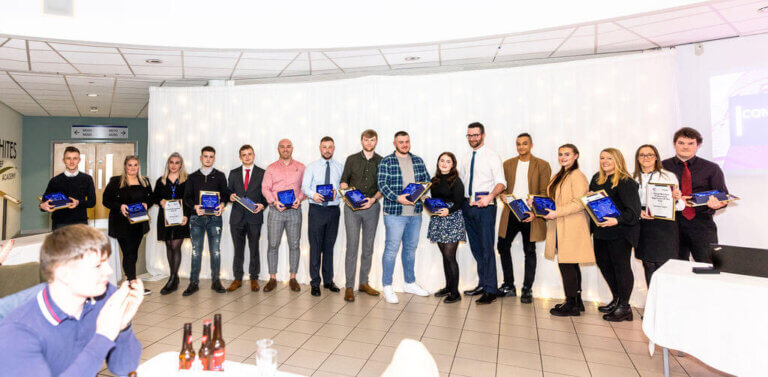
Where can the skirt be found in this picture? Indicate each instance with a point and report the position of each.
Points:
(658, 241)
(447, 229)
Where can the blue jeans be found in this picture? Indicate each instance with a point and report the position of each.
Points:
(13, 301)
(405, 229)
(481, 228)
(198, 226)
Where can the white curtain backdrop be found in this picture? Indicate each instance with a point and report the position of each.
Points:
(618, 102)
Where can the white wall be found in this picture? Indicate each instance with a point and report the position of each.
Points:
(740, 223)
(10, 179)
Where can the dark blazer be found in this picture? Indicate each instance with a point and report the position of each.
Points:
(625, 197)
(114, 197)
(239, 214)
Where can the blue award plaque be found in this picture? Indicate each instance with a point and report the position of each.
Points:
(137, 213)
(353, 197)
(480, 194)
(58, 200)
(286, 198)
(518, 207)
(433, 205)
(326, 191)
(415, 191)
(541, 204)
(599, 206)
(701, 198)
(209, 200)
(247, 203)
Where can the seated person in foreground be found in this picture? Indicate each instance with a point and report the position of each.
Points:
(78, 320)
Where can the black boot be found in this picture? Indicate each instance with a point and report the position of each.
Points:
(507, 290)
(171, 285)
(526, 295)
(443, 292)
(191, 289)
(566, 309)
(579, 303)
(622, 312)
(610, 307)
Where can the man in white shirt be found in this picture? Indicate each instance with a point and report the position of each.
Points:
(483, 177)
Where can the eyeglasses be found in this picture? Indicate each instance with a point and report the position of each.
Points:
(472, 136)
(647, 155)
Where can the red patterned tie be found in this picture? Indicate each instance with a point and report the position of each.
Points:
(686, 187)
(248, 178)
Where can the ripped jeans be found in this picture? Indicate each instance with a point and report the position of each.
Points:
(198, 226)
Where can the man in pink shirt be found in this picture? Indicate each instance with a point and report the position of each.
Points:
(281, 177)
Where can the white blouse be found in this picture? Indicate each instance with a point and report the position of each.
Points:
(664, 176)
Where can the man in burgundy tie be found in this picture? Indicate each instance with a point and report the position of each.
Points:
(245, 182)
(697, 229)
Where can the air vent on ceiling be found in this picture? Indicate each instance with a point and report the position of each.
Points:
(58, 7)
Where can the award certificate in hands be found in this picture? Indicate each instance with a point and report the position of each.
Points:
(659, 201)
(209, 200)
(174, 212)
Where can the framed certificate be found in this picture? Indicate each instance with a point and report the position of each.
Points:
(352, 197)
(286, 198)
(701, 198)
(58, 200)
(659, 200)
(137, 213)
(415, 191)
(326, 191)
(246, 202)
(541, 204)
(599, 206)
(432, 205)
(174, 212)
(518, 207)
(209, 200)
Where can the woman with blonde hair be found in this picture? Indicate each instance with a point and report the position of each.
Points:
(615, 237)
(568, 229)
(171, 187)
(122, 190)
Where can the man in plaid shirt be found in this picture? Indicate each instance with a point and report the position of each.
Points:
(402, 218)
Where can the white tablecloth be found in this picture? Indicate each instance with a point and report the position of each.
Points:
(720, 319)
(27, 249)
(166, 364)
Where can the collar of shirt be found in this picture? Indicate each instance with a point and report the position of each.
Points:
(206, 171)
(314, 175)
(68, 174)
(52, 312)
(248, 168)
(488, 171)
(690, 161)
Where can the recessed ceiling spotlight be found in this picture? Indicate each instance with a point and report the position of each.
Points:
(92, 95)
(763, 10)
(94, 109)
(154, 61)
(412, 58)
(91, 82)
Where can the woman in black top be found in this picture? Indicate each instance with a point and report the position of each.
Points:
(122, 190)
(615, 237)
(171, 187)
(446, 226)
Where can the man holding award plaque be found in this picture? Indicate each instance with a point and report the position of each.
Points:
(205, 187)
(74, 185)
(483, 172)
(320, 182)
(360, 171)
(525, 174)
(697, 229)
(245, 220)
(282, 189)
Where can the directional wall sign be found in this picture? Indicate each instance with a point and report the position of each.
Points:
(99, 132)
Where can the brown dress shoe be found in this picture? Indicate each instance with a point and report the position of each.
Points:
(235, 284)
(349, 295)
(254, 285)
(294, 285)
(270, 285)
(367, 289)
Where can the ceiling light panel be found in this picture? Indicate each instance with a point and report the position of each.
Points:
(141, 59)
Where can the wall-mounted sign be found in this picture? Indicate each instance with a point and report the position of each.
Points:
(99, 132)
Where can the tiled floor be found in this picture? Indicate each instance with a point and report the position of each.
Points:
(326, 336)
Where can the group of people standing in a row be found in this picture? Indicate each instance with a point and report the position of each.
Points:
(468, 186)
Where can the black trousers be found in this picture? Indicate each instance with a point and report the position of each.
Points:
(504, 245)
(239, 233)
(696, 237)
(129, 245)
(613, 257)
(571, 274)
(650, 268)
(322, 230)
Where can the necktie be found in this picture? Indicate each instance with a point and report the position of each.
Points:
(686, 187)
(471, 174)
(247, 178)
(327, 180)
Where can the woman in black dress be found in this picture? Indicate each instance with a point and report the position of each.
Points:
(169, 187)
(658, 237)
(122, 190)
(615, 237)
(446, 227)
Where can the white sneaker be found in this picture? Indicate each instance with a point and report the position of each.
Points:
(389, 295)
(414, 288)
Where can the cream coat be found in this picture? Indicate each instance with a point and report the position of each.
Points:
(568, 235)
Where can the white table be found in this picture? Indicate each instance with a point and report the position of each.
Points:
(166, 364)
(720, 319)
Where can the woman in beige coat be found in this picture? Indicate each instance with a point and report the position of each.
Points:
(568, 229)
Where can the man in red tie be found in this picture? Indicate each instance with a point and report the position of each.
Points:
(697, 230)
(245, 182)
